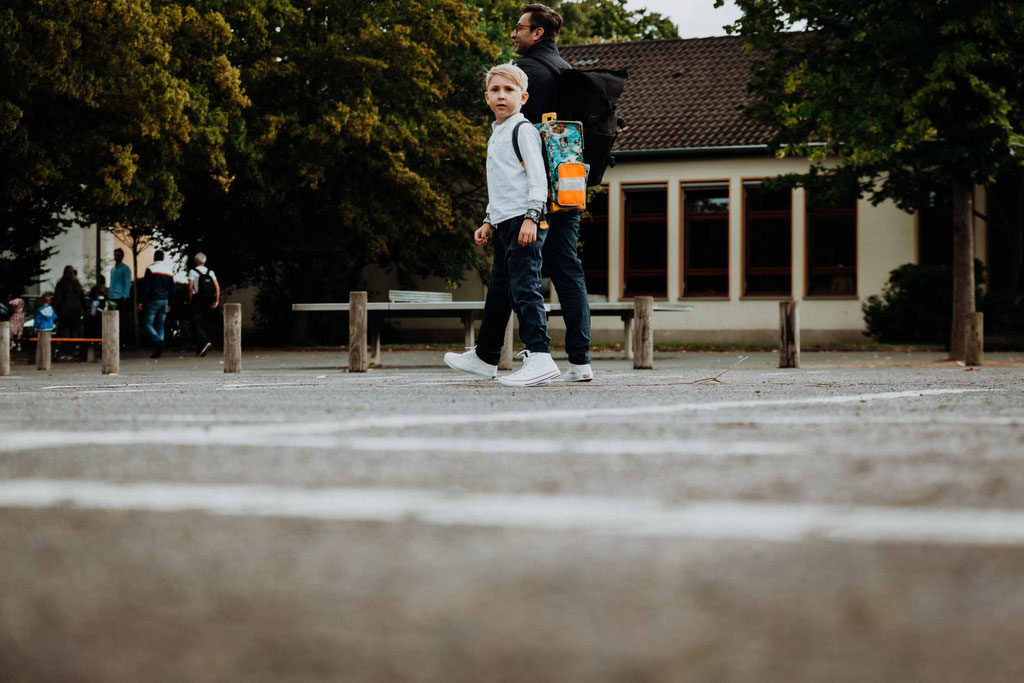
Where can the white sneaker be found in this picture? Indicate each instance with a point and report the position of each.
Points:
(538, 368)
(471, 363)
(578, 373)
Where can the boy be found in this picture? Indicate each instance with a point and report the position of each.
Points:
(516, 194)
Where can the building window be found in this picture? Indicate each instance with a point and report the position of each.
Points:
(705, 240)
(593, 241)
(935, 231)
(768, 240)
(645, 229)
(831, 246)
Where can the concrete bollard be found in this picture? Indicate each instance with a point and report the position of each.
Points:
(110, 361)
(789, 334)
(43, 353)
(5, 348)
(974, 351)
(232, 337)
(506, 349)
(358, 359)
(643, 334)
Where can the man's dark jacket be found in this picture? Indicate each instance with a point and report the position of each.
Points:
(543, 87)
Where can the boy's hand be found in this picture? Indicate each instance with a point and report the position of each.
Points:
(527, 233)
(482, 234)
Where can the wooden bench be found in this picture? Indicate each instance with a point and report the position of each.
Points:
(90, 351)
(470, 311)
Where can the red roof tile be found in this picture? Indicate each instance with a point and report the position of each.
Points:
(681, 94)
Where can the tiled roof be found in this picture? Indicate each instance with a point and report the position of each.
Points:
(681, 94)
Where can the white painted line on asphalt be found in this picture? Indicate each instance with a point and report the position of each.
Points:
(306, 434)
(716, 520)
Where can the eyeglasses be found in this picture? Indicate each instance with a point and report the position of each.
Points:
(520, 27)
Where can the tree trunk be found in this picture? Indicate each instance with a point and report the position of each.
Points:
(135, 293)
(963, 266)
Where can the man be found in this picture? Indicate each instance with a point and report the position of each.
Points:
(204, 295)
(534, 38)
(120, 293)
(157, 290)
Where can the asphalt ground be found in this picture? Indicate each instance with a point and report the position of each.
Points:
(860, 518)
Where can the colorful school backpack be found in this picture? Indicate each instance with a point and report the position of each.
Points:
(562, 145)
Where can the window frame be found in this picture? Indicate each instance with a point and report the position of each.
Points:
(684, 242)
(745, 240)
(851, 270)
(624, 187)
(607, 238)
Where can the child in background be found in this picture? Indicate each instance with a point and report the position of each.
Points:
(516, 192)
(45, 317)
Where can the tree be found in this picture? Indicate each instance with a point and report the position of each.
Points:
(102, 107)
(894, 99)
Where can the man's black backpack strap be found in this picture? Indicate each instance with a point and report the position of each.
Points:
(515, 143)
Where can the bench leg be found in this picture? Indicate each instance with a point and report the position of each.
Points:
(627, 331)
(375, 341)
(90, 353)
(467, 321)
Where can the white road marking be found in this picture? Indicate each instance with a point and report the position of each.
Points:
(309, 434)
(716, 520)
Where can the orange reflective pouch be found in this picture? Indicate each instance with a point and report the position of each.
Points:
(572, 185)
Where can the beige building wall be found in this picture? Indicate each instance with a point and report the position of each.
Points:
(886, 239)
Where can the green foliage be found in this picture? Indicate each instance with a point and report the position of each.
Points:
(914, 305)
(103, 105)
(907, 95)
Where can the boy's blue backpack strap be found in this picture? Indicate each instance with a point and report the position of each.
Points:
(515, 143)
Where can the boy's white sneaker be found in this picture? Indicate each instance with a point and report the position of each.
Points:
(578, 373)
(471, 363)
(538, 368)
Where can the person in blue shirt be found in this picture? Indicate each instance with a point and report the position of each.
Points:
(120, 293)
(46, 317)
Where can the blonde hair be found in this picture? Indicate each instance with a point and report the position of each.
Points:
(509, 71)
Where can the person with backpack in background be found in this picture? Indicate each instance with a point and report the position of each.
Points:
(70, 304)
(204, 295)
(157, 290)
(534, 38)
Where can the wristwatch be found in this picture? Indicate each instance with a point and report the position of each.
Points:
(533, 215)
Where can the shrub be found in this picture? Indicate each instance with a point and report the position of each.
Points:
(916, 305)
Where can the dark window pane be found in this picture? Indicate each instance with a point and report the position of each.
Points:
(768, 242)
(647, 202)
(768, 284)
(833, 240)
(832, 285)
(703, 285)
(708, 244)
(707, 201)
(760, 199)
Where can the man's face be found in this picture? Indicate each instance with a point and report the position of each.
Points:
(504, 97)
(524, 37)
(118, 256)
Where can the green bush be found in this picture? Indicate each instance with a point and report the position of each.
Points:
(916, 305)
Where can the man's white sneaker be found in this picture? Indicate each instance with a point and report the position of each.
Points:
(578, 373)
(471, 363)
(538, 368)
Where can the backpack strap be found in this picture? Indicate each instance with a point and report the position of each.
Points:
(552, 67)
(515, 143)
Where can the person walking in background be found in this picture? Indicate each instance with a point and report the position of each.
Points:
(17, 321)
(157, 290)
(70, 304)
(121, 293)
(204, 295)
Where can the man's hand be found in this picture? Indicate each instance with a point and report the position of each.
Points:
(214, 305)
(527, 233)
(483, 233)
(168, 308)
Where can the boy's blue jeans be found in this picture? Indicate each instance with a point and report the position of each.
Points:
(515, 285)
(559, 253)
(153, 315)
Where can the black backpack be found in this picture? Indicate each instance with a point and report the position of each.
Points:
(206, 290)
(589, 96)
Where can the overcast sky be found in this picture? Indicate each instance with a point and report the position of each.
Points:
(695, 18)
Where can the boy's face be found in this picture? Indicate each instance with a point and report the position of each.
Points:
(504, 97)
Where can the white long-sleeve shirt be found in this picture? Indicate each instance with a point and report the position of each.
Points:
(511, 188)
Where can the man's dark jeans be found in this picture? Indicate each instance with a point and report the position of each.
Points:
(561, 259)
(515, 285)
(200, 318)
